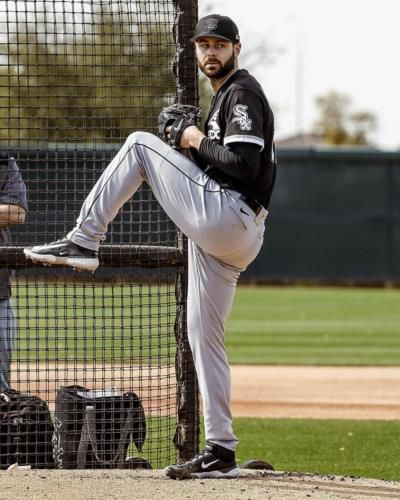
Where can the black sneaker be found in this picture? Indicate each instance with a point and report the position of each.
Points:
(64, 253)
(214, 461)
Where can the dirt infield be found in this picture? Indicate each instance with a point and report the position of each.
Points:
(316, 392)
(257, 391)
(121, 485)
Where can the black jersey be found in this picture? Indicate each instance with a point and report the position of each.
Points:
(240, 113)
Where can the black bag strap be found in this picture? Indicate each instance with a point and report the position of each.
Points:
(88, 435)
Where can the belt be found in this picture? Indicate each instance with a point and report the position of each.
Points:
(252, 203)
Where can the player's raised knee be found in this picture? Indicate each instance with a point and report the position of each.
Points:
(140, 137)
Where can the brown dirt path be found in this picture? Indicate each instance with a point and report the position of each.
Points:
(257, 391)
(316, 392)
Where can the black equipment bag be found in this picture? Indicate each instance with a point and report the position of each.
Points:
(93, 429)
(26, 431)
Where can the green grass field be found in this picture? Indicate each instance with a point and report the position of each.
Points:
(268, 325)
(314, 326)
(119, 323)
(340, 447)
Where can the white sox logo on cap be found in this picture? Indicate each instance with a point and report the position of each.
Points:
(242, 117)
(217, 26)
(212, 23)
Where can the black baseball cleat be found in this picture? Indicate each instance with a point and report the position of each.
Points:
(214, 462)
(64, 253)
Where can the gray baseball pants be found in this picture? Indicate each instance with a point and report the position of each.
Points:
(7, 335)
(224, 237)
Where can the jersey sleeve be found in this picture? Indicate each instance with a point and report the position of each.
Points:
(244, 118)
(12, 187)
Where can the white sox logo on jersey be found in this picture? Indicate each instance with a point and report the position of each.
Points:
(214, 130)
(242, 117)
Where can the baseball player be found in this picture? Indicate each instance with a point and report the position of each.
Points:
(219, 200)
(13, 206)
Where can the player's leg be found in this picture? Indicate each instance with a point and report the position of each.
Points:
(206, 214)
(212, 286)
(7, 333)
(140, 158)
(194, 201)
(212, 217)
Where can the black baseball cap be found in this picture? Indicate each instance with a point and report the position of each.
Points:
(217, 26)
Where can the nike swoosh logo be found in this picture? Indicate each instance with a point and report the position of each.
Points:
(179, 126)
(243, 211)
(206, 466)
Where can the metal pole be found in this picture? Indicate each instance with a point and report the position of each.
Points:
(187, 432)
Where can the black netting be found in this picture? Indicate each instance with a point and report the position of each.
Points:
(76, 78)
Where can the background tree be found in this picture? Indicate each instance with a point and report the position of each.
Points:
(99, 83)
(362, 123)
(339, 124)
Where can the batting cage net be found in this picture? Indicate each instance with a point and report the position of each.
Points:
(95, 370)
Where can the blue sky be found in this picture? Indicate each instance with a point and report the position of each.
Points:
(350, 46)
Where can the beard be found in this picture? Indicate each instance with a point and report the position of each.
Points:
(220, 69)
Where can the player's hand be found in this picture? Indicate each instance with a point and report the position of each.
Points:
(191, 138)
(174, 120)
